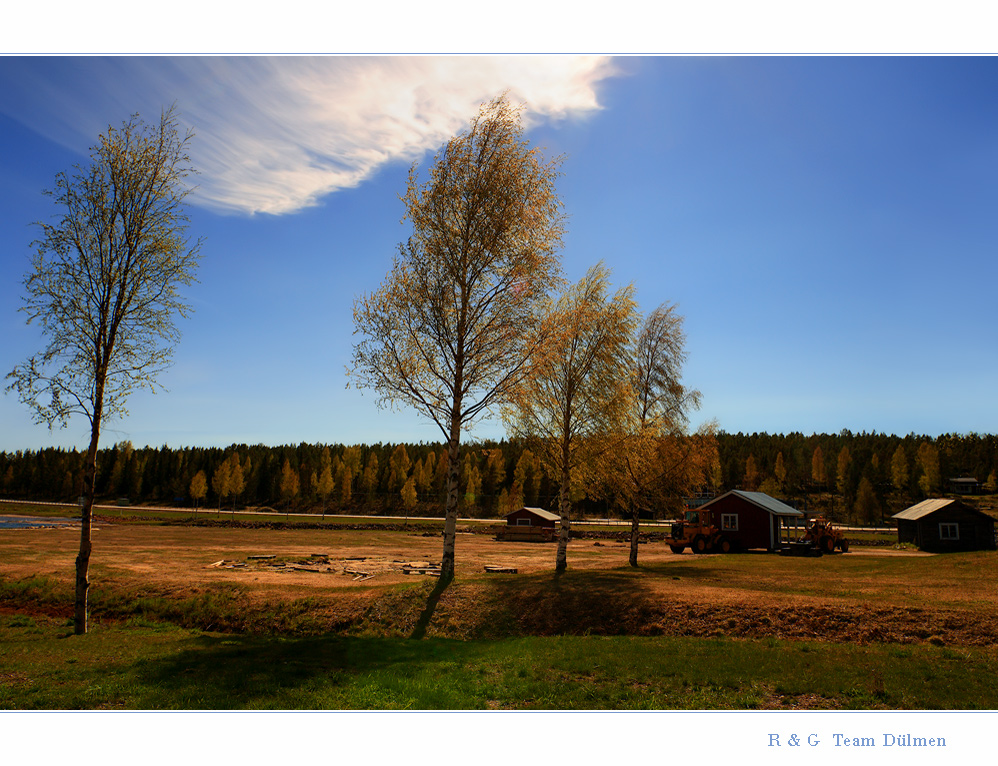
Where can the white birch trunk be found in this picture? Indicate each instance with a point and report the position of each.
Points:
(564, 506)
(635, 532)
(450, 516)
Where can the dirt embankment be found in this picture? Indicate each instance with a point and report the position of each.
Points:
(585, 607)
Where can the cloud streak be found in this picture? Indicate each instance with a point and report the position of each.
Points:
(277, 134)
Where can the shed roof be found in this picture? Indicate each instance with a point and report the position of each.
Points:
(761, 499)
(922, 509)
(927, 507)
(538, 512)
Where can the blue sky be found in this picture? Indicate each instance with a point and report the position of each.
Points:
(826, 224)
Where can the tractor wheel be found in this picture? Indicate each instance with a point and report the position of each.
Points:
(699, 544)
(677, 548)
(844, 546)
(724, 545)
(826, 544)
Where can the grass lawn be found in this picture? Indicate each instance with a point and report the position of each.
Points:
(144, 665)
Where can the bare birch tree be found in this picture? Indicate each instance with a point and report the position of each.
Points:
(104, 288)
(452, 329)
(579, 396)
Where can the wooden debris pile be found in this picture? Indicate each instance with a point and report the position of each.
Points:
(360, 568)
(419, 567)
(500, 569)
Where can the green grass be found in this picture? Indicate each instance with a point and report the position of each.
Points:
(220, 606)
(65, 511)
(143, 664)
(154, 515)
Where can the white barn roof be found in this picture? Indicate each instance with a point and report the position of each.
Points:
(762, 500)
(923, 509)
(538, 512)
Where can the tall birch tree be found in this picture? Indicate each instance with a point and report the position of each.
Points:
(104, 287)
(581, 393)
(198, 489)
(658, 461)
(453, 328)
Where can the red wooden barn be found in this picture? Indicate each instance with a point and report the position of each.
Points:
(532, 517)
(529, 525)
(941, 524)
(751, 519)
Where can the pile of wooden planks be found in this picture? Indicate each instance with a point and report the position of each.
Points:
(427, 568)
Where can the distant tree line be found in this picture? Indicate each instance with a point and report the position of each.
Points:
(379, 478)
(856, 477)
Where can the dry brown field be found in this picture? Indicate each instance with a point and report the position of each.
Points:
(353, 581)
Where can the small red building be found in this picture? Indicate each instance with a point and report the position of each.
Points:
(529, 525)
(532, 517)
(751, 519)
(943, 524)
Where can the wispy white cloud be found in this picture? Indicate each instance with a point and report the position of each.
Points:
(276, 134)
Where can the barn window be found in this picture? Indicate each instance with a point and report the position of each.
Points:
(521, 522)
(949, 531)
(729, 522)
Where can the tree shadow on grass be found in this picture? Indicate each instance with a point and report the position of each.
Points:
(573, 602)
(269, 672)
(432, 600)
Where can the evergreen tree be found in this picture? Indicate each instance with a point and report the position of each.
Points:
(472, 480)
(899, 469)
(752, 475)
(495, 473)
(780, 470)
(818, 473)
(525, 476)
(369, 480)
(398, 465)
(867, 506)
(928, 460)
(429, 472)
(842, 471)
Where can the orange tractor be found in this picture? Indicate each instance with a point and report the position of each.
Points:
(821, 536)
(695, 532)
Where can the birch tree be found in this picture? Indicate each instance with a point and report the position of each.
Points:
(581, 393)
(237, 480)
(199, 488)
(453, 328)
(221, 481)
(289, 482)
(657, 461)
(104, 287)
(928, 460)
(325, 485)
